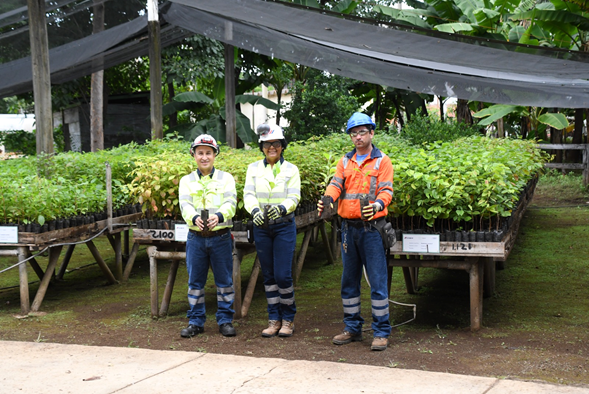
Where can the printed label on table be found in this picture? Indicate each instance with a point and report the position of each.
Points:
(421, 243)
(180, 232)
(8, 234)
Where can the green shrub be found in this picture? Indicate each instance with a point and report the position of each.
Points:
(422, 129)
(19, 141)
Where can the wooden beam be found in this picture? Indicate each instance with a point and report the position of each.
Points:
(230, 112)
(41, 76)
(155, 70)
(97, 86)
(24, 281)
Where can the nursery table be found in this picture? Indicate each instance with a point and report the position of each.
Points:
(55, 241)
(161, 245)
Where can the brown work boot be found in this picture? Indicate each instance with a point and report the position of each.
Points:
(346, 337)
(379, 343)
(287, 329)
(272, 330)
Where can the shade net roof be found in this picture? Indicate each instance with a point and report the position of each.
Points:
(80, 51)
(385, 55)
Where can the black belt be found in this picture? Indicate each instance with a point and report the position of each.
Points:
(359, 223)
(284, 219)
(209, 234)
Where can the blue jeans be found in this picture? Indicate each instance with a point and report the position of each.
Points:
(362, 247)
(275, 246)
(218, 253)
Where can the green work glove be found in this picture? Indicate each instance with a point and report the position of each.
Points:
(276, 212)
(258, 217)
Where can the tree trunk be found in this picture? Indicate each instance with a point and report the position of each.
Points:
(174, 116)
(500, 129)
(463, 112)
(97, 87)
(441, 108)
(155, 70)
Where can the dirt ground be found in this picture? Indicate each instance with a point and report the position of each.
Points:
(438, 340)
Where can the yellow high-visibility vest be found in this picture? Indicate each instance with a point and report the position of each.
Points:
(262, 187)
(221, 196)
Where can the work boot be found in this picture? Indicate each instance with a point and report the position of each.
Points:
(272, 330)
(346, 337)
(191, 331)
(287, 329)
(227, 330)
(379, 343)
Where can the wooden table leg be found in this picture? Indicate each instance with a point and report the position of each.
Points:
(326, 242)
(130, 262)
(169, 288)
(118, 257)
(126, 243)
(151, 252)
(101, 263)
(301, 257)
(237, 256)
(489, 277)
(251, 286)
(476, 273)
(24, 281)
(49, 272)
(66, 261)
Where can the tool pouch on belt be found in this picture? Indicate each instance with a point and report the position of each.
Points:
(387, 233)
(250, 231)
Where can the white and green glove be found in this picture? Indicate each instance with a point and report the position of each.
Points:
(258, 217)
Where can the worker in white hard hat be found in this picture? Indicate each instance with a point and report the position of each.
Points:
(271, 194)
(211, 192)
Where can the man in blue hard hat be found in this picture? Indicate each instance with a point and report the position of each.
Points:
(363, 183)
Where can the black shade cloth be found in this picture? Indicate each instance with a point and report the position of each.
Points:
(85, 56)
(387, 56)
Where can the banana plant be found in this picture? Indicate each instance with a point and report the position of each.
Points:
(537, 119)
(215, 124)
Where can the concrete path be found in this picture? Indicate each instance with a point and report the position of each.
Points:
(42, 368)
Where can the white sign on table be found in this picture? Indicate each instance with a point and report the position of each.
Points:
(8, 234)
(180, 232)
(421, 243)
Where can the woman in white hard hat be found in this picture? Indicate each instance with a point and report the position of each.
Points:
(209, 241)
(271, 194)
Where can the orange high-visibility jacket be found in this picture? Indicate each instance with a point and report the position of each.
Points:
(373, 177)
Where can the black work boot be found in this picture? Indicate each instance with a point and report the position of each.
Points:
(191, 331)
(227, 330)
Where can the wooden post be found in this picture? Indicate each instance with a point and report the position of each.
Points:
(586, 163)
(97, 86)
(118, 257)
(108, 196)
(476, 273)
(24, 281)
(155, 70)
(41, 76)
(151, 251)
(230, 117)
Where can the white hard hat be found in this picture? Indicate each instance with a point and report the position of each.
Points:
(204, 140)
(269, 133)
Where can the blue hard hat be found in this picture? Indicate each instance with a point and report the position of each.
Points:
(359, 119)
